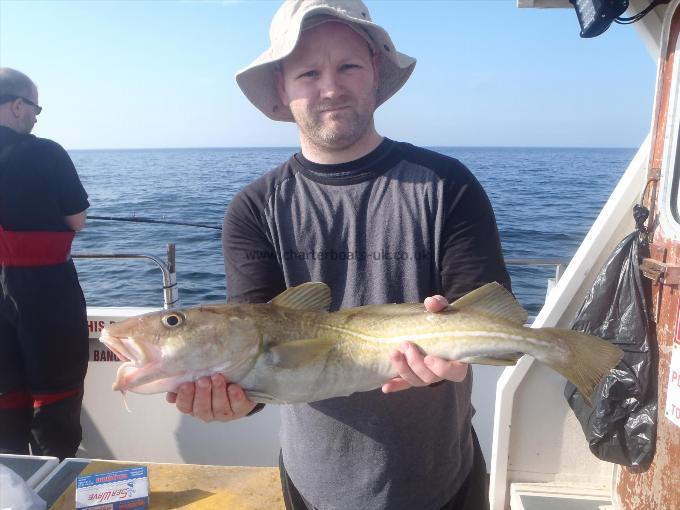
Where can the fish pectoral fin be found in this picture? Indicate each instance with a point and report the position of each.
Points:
(298, 353)
(492, 299)
(498, 361)
(310, 296)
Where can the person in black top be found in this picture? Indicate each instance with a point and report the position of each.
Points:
(43, 321)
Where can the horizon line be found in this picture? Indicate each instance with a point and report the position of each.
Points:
(296, 148)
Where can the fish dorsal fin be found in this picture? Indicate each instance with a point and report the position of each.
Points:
(492, 299)
(310, 296)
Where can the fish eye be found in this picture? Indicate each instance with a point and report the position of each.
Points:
(173, 319)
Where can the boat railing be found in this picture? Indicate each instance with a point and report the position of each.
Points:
(560, 263)
(170, 290)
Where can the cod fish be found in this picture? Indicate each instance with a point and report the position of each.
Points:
(293, 350)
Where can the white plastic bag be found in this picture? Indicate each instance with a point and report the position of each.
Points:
(15, 494)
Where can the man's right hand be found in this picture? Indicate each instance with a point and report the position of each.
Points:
(212, 399)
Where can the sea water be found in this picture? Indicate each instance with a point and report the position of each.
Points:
(545, 199)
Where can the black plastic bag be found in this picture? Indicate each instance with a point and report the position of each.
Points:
(621, 425)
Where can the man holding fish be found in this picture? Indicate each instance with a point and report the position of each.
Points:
(379, 221)
(352, 222)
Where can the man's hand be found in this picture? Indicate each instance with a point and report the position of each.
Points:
(417, 370)
(211, 399)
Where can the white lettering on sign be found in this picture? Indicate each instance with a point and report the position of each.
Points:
(673, 395)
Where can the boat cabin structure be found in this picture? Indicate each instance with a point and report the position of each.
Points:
(540, 455)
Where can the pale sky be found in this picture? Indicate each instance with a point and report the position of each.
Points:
(136, 74)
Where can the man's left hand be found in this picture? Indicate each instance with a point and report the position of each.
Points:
(417, 370)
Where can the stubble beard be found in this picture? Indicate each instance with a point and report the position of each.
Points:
(317, 129)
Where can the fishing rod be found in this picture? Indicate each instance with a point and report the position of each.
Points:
(136, 219)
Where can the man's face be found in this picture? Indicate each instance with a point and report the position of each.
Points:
(329, 83)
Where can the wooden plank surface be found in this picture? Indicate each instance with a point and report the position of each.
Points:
(196, 487)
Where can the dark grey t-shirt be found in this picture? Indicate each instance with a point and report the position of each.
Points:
(398, 225)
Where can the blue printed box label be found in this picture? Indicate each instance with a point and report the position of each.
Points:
(116, 490)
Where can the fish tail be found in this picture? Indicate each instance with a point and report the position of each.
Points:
(590, 359)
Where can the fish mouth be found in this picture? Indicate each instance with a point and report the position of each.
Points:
(149, 378)
(143, 370)
(126, 348)
(141, 361)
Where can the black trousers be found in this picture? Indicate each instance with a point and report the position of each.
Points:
(473, 494)
(43, 360)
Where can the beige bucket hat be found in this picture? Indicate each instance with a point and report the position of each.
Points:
(257, 81)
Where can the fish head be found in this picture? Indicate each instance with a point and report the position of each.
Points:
(161, 350)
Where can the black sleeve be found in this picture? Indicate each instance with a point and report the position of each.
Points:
(471, 247)
(72, 197)
(250, 263)
(252, 268)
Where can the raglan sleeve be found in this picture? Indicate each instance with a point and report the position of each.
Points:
(252, 269)
(72, 196)
(471, 253)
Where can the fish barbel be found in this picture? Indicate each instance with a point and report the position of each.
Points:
(293, 350)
